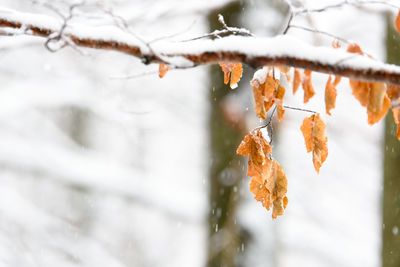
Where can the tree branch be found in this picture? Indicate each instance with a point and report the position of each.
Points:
(255, 52)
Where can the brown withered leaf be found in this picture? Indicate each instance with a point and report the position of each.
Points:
(258, 93)
(307, 86)
(272, 192)
(396, 116)
(266, 95)
(378, 104)
(270, 87)
(297, 80)
(337, 80)
(232, 71)
(244, 147)
(257, 148)
(279, 94)
(162, 70)
(393, 91)
(373, 96)
(269, 183)
(313, 129)
(361, 91)
(330, 95)
(397, 23)
(354, 48)
(286, 71)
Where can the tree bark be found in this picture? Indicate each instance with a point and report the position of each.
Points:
(224, 241)
(391, 194)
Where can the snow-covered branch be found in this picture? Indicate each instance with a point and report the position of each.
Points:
(255, 52)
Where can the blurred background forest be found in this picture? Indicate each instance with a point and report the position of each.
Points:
(104, 164)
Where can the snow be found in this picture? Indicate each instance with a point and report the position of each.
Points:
(97, 171)
(280, 46)
(260, 75)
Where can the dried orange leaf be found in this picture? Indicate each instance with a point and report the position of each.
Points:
(266, 94)
(396, 116)
(258, 93)
(373, 96)
(378, 104)
(272, 192)
(354, 48)
(330, 95)
(360, 91)
(397, 23)
(233, 71)
(269, 183)
(286, 71)
(162, 70)
(337, 80)
(393, 91)
(307, 86)
(297, 79)
(255, 145)
(279, 94)
(313, 129)
(244, 147)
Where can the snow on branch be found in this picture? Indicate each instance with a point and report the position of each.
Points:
(255, 52)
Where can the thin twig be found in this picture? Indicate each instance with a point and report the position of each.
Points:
(174, 34)
(343, 3)
(291, 16)
(300, 109)
(225, 31)
(320, 32)
(268, 123)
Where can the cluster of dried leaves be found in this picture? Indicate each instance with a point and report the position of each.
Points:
(269, 182)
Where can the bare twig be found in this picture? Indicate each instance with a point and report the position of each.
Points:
(173, 35)
(225, 31)
(346, 2)
(300, 109)
(291, 16)
(320, 32)
(268, 124)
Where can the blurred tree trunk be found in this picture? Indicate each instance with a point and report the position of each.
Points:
(224, 241)
(391, 195)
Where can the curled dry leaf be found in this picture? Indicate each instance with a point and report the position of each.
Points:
(396, 116)
(279, 94)
(397, 23)
(162, 70)
(257, 148)
(378, 104)
(297, 79)
(272, 193)
(269, 183)
(313, 129)
(233, 71)
(285, 71)
(393, 91)
(266, 95)
(371, 95)
(330, 95)
(354, 48)
(307, 86)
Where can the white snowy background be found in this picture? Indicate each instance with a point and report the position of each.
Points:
(96, 170)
